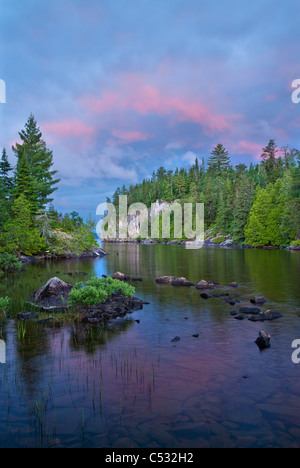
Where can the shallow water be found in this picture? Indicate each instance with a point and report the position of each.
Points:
(127, 385)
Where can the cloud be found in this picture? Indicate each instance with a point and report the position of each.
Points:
(189, 157)
(69, 129)
(134, 94)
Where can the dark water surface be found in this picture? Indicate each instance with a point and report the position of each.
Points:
(126, 385)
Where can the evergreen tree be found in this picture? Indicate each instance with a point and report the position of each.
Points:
(242, 207)
(265, 218)
(33, 153)
(219, 160)
(5, 170)
(19, 235)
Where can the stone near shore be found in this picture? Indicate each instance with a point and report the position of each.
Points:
(116, 306)
(120, 276)
(264, 340)
(263, 316)
(52, 296)
(165, 279)
(205, 285)
(182, 282)
(258, 300)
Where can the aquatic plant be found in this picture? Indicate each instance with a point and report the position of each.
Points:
(98, 290)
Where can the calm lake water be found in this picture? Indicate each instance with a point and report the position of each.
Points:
(127, 385)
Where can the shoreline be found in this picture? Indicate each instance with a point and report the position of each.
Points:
(96, 252)
(207, 243)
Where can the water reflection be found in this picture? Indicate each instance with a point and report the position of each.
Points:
(125, 384)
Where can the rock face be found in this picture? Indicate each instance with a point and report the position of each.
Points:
(52, 296)
(264, 340)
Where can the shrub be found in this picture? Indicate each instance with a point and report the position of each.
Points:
(297, 242)
(4, 306)
(9, 262)
(97, 291)
(219, 240)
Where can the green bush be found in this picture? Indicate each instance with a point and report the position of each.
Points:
(4, 306)
(297, 242)
(9, 262)
(219, 240)
(97, 291)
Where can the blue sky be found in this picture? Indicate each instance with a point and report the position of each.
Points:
(120, 88)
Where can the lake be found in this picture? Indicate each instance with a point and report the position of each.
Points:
(126, 384)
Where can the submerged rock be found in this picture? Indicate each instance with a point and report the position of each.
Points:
(120, 276)
(205, 285)
(249, 310)
(263, 316)
(205, 296)
(76, 273)
(264, 340)
(52, 296)
(233, 285)
(176, 339)
(258, 300)
(182, 282)
(165, 279)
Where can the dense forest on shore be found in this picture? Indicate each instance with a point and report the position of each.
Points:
(29, 224)
(257, 205)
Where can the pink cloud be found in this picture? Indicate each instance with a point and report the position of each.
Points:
(134, 94)
(130, 136)
(68, 129)
(247, 147)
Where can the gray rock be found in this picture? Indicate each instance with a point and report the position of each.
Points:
(264, 340)
(263, 316)
(53, 295)
(165, 279)
(258, 300)
(176, 339)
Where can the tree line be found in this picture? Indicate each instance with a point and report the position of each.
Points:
(29, 224)
(257, 204)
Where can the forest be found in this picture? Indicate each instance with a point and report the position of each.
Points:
(29, 224)
(257, 205)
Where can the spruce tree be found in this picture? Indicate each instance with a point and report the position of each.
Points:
(39, 161)
(5, 170)
(219, 160)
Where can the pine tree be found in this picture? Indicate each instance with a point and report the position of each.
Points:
(225, 211)
(5, 170)
(242, 207)
(39, 161)
(269, 160)
(219, 160)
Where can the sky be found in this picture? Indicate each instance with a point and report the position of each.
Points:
(122, 87)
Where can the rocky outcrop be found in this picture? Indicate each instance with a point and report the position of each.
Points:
(116, 306)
